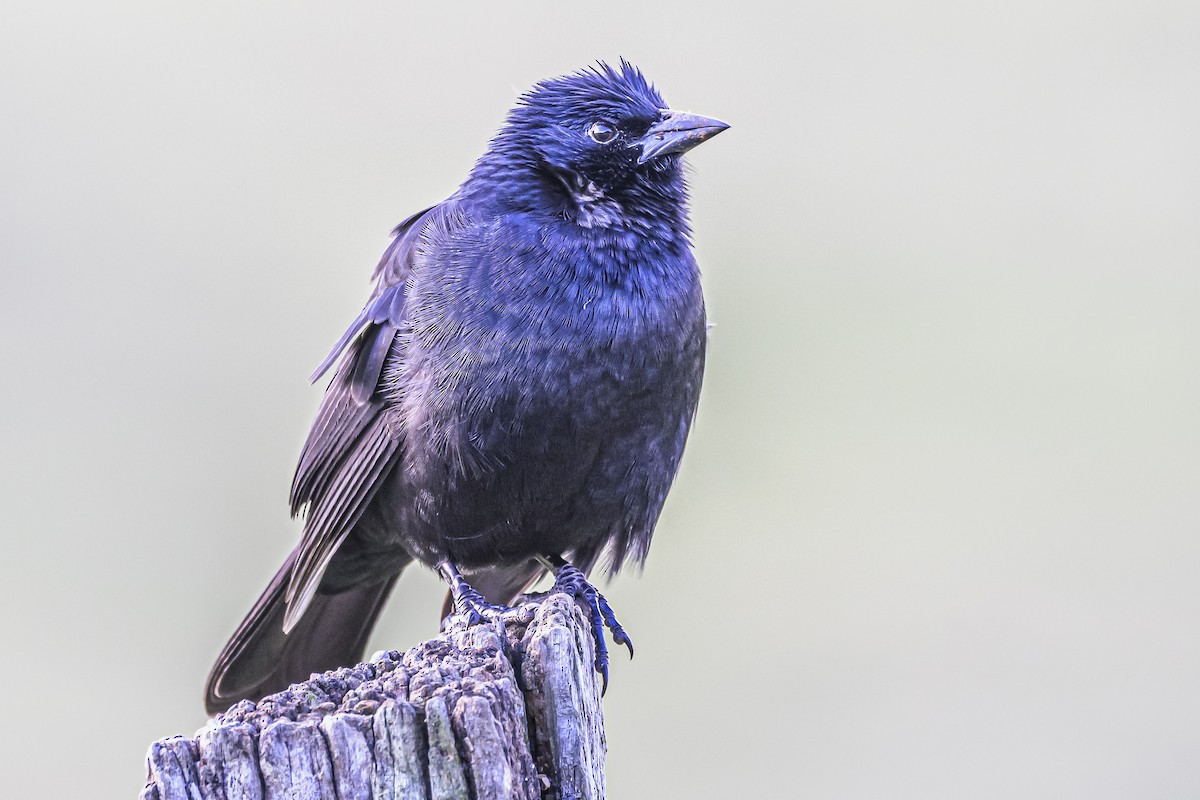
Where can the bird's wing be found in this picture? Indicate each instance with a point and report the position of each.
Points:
(350, 446)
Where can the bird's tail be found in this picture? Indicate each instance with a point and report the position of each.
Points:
(260, 658)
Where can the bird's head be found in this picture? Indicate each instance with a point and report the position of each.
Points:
(599, 138)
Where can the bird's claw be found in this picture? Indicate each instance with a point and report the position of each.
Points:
(610, 619)
(570, 580)
(468, 602)
(471, 604)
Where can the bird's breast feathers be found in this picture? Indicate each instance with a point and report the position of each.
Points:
(596, 331)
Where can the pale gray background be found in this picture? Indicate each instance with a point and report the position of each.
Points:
(936, 531)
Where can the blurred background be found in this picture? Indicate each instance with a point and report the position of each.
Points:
(936, 534)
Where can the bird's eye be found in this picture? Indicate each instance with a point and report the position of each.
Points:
(602, 131)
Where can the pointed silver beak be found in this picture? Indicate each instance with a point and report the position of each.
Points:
(677, 132)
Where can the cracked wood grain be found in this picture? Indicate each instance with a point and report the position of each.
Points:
(505, 709)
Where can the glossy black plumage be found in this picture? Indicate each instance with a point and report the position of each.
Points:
(519, 385)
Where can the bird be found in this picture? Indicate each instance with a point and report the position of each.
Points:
(515, 396)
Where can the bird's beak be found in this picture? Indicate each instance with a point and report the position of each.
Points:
(676, 132)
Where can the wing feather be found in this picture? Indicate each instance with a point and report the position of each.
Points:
(351, 445)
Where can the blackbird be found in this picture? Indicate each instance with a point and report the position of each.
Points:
(515, 395)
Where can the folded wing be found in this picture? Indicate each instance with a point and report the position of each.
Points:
(351, 447)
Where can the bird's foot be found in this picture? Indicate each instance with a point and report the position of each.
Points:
(467, 601)
(569, 580)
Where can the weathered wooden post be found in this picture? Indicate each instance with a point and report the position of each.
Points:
(505, 709)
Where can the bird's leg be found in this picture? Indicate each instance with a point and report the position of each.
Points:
(569, 580)
(467, 600)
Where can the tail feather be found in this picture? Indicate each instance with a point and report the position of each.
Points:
(260, 658)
